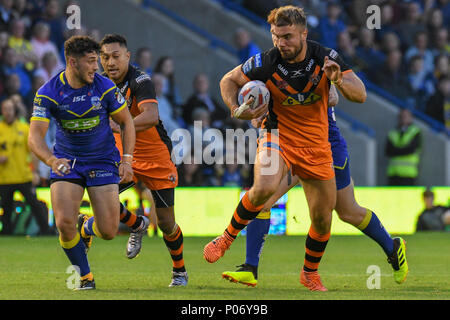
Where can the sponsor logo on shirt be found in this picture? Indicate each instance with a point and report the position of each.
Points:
(77, 125)
(303, 99)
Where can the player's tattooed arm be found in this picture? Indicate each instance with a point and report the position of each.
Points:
(348, 83)
(37, 145)
(333, 96)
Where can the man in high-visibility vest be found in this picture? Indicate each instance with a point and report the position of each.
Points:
(403, 149)
(16, 173)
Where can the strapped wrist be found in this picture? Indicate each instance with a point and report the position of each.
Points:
(233, 109)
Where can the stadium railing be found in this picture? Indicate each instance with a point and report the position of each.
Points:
(214, 42)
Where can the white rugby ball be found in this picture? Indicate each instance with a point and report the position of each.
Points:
(256, 89)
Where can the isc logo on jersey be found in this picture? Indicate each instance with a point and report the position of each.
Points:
(303, 99)
(79, 98)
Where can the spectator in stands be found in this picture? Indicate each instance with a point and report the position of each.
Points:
(330, 25)
(6, 14)
(11, 65)
(19, 105)
(11, 86)
(441, 66)
(21, 10)
(22, 46)
(444, 5)
(15, 168)
(232, 176)
(387, 25)
(201, 98)
(347, 50)
(420, 48)
(420, 81)
(438, 106)
(246, 47)
(411, 25)
(144, 59)
(390, 42)
(403, 147)
(49, 67)
(41, 43)
(190, 175)
(441, 44)
(434, 21)
(165, 108)
(166, 67)
(433, 218)
(367, 48)
(55, 21)
(391, 77)
(36, 82)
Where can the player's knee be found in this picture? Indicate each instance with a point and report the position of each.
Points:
(321, 219)
(321, 224)
(261, 193)
(65, 225)
(350, 212)
(165, 226)
(107, 233)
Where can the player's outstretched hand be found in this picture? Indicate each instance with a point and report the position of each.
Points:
(125, 172)
(332, 70)
(60, 166)
(244, 112)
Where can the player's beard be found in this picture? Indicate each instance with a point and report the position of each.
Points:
(292, 56)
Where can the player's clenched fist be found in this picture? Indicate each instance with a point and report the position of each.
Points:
(332, 70)
(60, 166)
(125, 172)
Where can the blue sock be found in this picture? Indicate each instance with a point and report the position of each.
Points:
(257, 231)
(372, 227)
(88, 227)
(75, 251)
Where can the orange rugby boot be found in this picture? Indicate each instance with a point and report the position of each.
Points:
(312, 281)
(214, 250)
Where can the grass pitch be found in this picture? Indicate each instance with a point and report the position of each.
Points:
(35, 268)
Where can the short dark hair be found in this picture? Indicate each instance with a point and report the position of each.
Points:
(77, 46)
(286, 16)
(114, 38)
(428, 193)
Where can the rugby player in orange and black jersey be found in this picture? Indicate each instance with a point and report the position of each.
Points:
(296, 107)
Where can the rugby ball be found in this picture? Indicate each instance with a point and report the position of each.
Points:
(256, 89)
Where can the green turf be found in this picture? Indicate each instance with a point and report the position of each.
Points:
(34, 268)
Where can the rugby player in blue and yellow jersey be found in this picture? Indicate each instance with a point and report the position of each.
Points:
(85, 154)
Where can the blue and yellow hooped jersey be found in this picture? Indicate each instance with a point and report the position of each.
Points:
(82, 116)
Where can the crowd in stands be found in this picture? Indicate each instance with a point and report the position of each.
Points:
(408, 56)
(32, 35)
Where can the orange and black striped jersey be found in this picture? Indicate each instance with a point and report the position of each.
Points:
(153, 143)
(299, 93)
